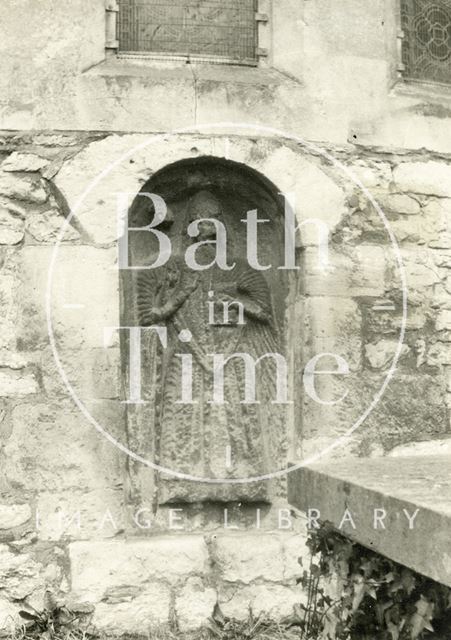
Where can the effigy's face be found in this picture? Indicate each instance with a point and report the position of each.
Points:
(207, 230)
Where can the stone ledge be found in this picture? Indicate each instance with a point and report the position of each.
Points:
(131, 95)
(349, 493)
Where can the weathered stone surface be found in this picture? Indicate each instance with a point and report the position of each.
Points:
(93, 373)
(313, 194)
(14, 515)
(15, 383)
(360, 273)
(395, 485)
(332, 328)
(380, 354)
(22, 189)
(375, 175)
(426, 448)
(12, 360)
(430, 178)
(99, 569)
(133, 611)
(72, 455)
(296, 554)
(9, 617)
(11, 227)
(18, 161)
(439, 354)
(194, 604)
(421, 272)
(45, 227)
(317, 195)
(19, 574)
(247, 557)
(437, 217)
(74, 268)
(276, 601)
(443, 320)
(398, 203)
(80, 514)
(98, 214)
(412, 408)
(8, 317)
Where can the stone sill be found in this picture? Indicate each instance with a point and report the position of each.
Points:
(428, 92)
(154, 96)
(391, 484)
(174, 71)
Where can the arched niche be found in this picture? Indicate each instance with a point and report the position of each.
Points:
(191, 432)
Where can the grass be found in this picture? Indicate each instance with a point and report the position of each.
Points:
(56, 622)
(253, 628)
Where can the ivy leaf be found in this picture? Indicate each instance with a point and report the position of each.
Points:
(359, 593)
(421, 618)
(393, 630)
(408, 581)
(372, 593)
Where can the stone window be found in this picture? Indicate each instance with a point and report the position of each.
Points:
(209, 30)
(426, 40)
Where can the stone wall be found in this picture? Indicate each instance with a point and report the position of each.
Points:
(323, 57)
(65, 500)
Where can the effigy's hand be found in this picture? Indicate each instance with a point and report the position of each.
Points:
(190, 285)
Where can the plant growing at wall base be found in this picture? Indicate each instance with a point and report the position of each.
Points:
(54, 622)
(375, 598)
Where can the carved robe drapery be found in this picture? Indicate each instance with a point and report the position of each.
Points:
(204, 439)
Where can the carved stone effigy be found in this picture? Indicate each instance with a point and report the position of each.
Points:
(207, 312)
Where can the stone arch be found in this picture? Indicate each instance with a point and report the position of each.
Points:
(289, 169)
(124, 163)
(199, 438)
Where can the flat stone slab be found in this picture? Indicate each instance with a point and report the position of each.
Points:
(399, 507)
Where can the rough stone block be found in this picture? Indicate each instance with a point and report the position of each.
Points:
(246, 557)
(194, 604)
(412, 408)
(94, 374)
(133, 612)
(375, 175)
(276, 601)
(17, 383)
(19, 574)
(83, 276)
(10, 311)
(14, 515)
(333, 328)
(11, 227)
(80, 515)
(443, 320)
(52, 448)
(398, 203)
(22, 189)
(421, 272)
(439, 354)
(313, 194)
(99, 569)
(360, 273)
(18, 161)
(9, 617)
(429, 178)
(45, 227)
(380, 354)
